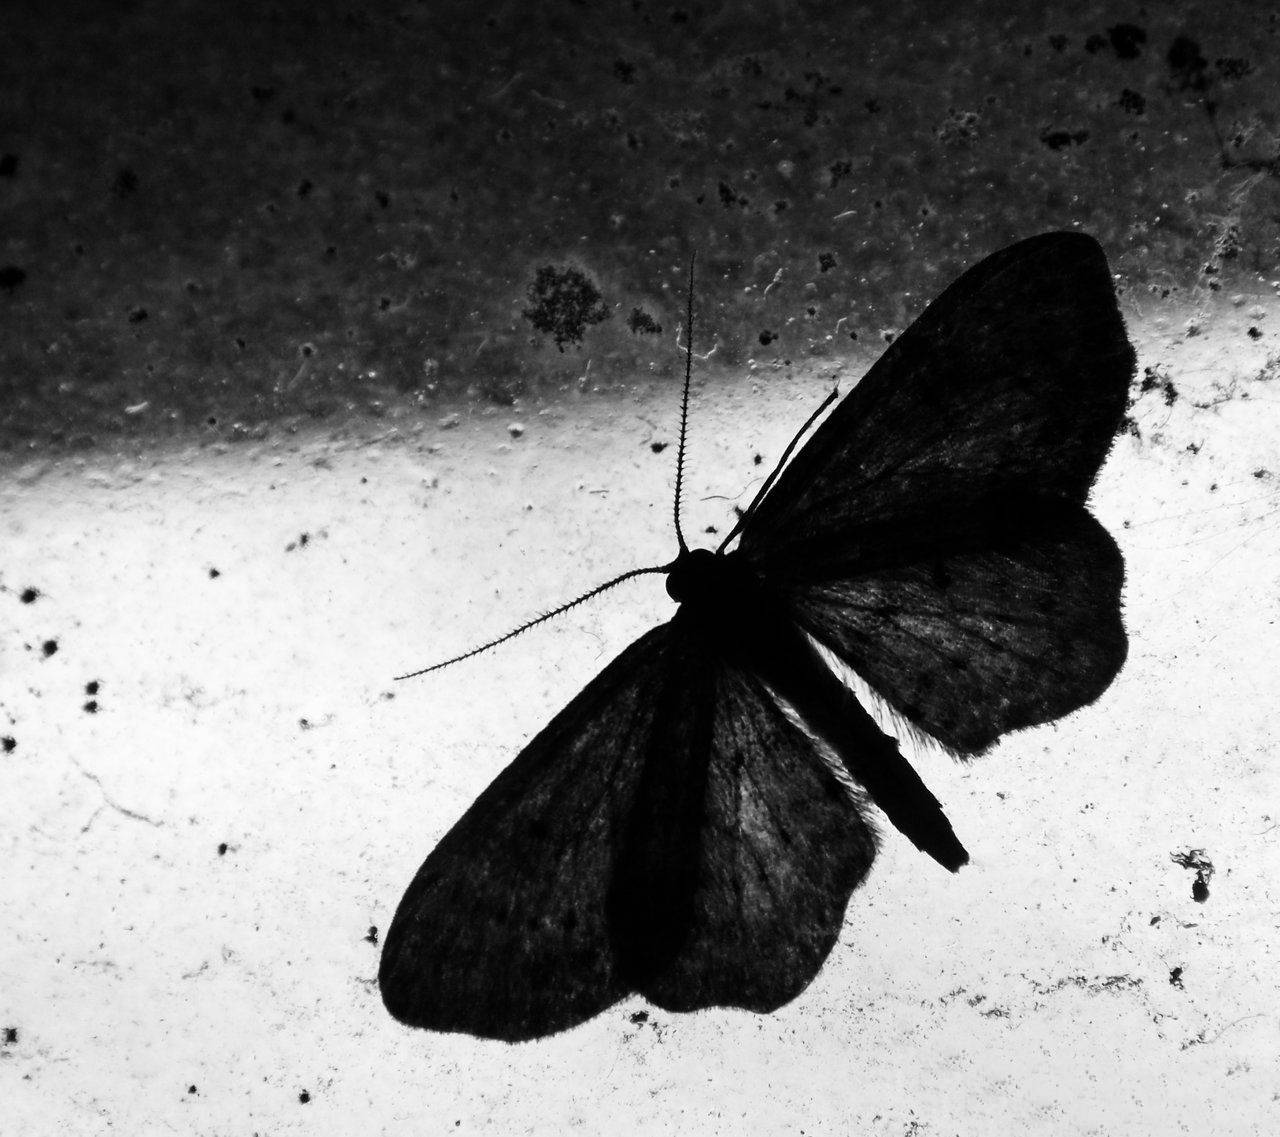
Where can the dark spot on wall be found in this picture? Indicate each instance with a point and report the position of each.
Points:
(1059, 139)
(1197, 862)
(641, 323)
(1131, 102)
(563, 304)
(1127, 40)
(1187, 65)
(125, 183)
(1154, 379)
(1233, 68)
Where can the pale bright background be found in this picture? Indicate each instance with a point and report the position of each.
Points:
(159, 985)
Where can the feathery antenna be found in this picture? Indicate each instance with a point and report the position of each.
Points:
(684, 404)
(538, 620)
(684, 548)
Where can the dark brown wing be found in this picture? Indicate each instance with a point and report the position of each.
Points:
(1013, 382)
(971, 642)
(670, 831)
(932, 532)
(783, 845)
(503, 932)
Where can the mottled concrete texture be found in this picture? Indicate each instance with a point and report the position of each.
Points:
(216, 215)
(212, 790)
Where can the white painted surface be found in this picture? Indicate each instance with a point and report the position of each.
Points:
(1029, 994)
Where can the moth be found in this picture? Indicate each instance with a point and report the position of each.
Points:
(679, 829)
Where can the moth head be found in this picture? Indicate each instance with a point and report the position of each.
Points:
(695, 574)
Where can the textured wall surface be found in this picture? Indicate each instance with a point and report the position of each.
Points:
(212, 216)
(214, 793)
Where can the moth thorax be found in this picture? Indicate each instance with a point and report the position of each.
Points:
(701, 577)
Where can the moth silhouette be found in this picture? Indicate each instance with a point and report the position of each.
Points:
(674, 831)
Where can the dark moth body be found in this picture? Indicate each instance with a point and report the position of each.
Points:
(675, 831)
